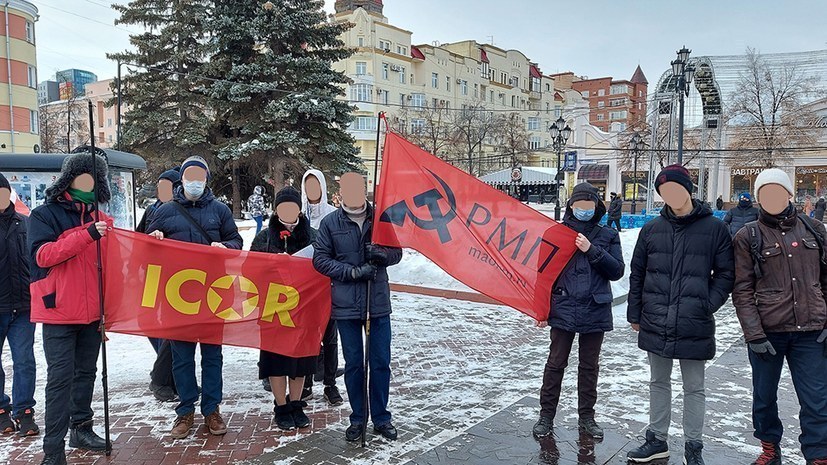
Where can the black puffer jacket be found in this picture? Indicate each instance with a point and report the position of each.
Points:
(737, 217)
(270, 240)
(616, 208)
(581, 300)
(14, 262)
(682, 272)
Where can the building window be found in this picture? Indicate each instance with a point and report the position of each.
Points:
(361, 41)
(548, 87)
(384, 45)
(361, 68)
(464, 86)
(34, 122)
(533, 123)
(503, 78)
(617, 102)
(619, 89)
(601, 92)
(515, 81)
(492, 96)
(435, 80)
(108, 123)
(417, 125)
(364, 123)
(640, 106)
(513, 101)
(617, 115)
(402, 75)
(640, 93)
(601, 104)
(585, 94)
(383, 96)
(558, 112)
(29, 32)
(535, 84)
(534, 143)
(476, 91)
(385, 71)
(448, 83)
(402, 100)
(601, 117)
(485, 70)
(402, 50)
(32, 77)
(361, 92)
(418, 100)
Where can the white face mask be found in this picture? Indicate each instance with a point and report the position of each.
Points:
(194, 188)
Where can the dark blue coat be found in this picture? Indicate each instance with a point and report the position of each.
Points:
(14, 262)
(682, 272)
(581, 300)
(339, 247)
(737, 217)
(215, 217)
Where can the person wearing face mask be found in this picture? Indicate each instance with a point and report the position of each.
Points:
(742, 214)
(288, 232)
(162, 384)
(64, 291)
(194, 215)
(581, 303)
(779, 297)
(17, 411)
(681, 273)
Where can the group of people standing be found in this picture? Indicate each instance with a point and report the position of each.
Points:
(685, 265)
(52, 258)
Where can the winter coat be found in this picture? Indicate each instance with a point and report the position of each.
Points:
(616, 208)
(581, 300)
(215, 217)
(738, 216)
(315, 212)
(255, 203)
(682, 272)
(818, 213)
(790, 296)
(719, 204)
(270, 241)
(147, 218)
(63, 261)
(338, 248)
(14, 262)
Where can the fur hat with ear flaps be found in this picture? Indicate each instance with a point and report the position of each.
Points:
(75, 165)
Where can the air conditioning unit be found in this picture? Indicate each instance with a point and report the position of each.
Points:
(379, 91)
(410, 97)
(459, 81)
(396, 68)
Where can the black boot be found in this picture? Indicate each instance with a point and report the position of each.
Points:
(354, 432)
(299, 418)
(693, 455)
(543, 427)
(284, 417)
(652, 449)
(83, 437)
(388, 431)
(589, 426)
(54, 459)
(331, 394)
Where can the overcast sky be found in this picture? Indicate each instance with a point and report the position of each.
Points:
(593, 37)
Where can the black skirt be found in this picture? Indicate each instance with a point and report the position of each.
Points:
(270, 364)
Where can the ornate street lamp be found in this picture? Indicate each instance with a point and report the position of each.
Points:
(636, 144)
(684, 73)
(560, 132)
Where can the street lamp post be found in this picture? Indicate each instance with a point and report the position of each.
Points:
(684, 73)
(560, 132)
(636, 144)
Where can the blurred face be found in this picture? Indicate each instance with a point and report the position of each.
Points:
(195, 173)
(5, 198)
(774, 198)
(674, 195)
(85, 182)
(313, 188)
(288, 212)
(583, 205)
(164, 190)
(354, 190)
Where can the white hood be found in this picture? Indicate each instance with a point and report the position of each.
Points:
(324, 207)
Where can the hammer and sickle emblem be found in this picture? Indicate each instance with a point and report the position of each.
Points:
(398, 212)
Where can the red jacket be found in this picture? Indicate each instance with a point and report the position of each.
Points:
(68, 293)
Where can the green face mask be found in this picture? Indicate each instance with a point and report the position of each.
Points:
(80, 196)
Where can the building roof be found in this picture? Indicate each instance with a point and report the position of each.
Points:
(54, 161)
(639, 77)
(417, 53)
(532, 175)
(535, 72)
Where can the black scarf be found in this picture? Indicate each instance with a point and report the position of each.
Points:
(783, 221)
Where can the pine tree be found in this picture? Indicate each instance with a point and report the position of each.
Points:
(168, 116)
(275, 104)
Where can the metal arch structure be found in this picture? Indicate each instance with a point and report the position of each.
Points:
(663, 120)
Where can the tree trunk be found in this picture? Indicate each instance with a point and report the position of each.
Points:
(236, 190)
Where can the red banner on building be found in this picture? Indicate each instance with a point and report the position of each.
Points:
(189, 292)
(479, 235)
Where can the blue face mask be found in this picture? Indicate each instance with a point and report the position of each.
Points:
(583, 215)
(194, 188)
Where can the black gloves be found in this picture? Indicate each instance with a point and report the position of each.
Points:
(762, 348)
(364, 272)
(822, 339)
(376, 254)
(93, 231)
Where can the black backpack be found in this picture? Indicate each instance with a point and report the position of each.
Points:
(756, 243)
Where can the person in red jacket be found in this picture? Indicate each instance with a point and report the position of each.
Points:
(62, 235)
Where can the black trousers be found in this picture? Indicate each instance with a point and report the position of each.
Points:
(328, 361)
(72, 363)
(616, 222)
(587, 372)
(161, 374)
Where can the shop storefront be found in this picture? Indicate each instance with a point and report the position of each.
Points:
(810, 180)
(629, 179)
(742, 180)
(597, 175)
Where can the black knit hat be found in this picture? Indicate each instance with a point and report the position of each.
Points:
(584, 191)
(173, 176)
(288, 194)
(674, 173)
(4, 182)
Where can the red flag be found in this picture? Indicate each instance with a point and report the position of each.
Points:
(188, 292)
(19, 206)
(479, 235)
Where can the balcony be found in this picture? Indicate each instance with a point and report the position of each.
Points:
(534, 95)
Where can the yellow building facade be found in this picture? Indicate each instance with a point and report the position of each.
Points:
(19, 119)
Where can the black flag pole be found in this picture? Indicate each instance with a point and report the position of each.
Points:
(104, 371)
(365, 390)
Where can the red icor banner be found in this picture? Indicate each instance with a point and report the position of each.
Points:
(189, 292)
(479, 235)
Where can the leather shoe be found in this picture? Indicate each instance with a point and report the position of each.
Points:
(354, 432)
(387, 431)
(83, 437)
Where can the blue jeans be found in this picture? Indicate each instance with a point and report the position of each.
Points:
(259, 223)
(350, 332)
(808, 368)
(17, 328)
(183, 371)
